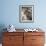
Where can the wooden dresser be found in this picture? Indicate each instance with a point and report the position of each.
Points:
(23, 39)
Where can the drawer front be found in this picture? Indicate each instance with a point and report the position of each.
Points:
(33, 40)
(34, 33)
(37, 39)
(8, 44)
(37, 45)
(12, 39)
(12, 45)
(27, 41)
(13, 33)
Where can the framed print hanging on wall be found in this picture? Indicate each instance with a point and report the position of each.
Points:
(26, 13)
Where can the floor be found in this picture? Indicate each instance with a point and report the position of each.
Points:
(45, 45)
(0, 44)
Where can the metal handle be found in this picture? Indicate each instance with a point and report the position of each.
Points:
(33, 39)
(10, 38)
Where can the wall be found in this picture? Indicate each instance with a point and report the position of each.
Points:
(10, 13)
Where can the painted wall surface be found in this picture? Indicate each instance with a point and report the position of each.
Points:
(9, 13)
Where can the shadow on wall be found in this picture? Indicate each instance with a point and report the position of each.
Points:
(2, 26)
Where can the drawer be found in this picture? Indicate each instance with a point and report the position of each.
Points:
(34, 33)
(27, 41)
(13, 33)
(12, 44)
(27, 37)
(8, 44)
(12, 39)
(37, 39)
(37, 44)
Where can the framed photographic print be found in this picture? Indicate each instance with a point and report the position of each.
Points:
(26, 13)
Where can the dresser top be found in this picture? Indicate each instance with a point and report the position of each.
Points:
(22, 30)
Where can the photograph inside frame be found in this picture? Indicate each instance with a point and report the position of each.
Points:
(26, 13)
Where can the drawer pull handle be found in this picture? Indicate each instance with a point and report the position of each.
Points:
(33, 39)
(10, 38)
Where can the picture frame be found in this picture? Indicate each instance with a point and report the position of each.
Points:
(26, 13)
